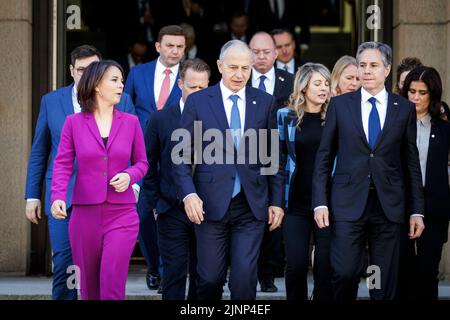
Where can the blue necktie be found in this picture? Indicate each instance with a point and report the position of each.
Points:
(235, 126)
(261, 83)
(374, 123)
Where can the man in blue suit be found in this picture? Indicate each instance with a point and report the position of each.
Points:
(146, 82)
(152, 86)
(376, 178)
(176, 238)
(55, 107)
(229, 201)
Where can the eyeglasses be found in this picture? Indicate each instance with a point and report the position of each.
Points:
(421, 92)
(80, 70)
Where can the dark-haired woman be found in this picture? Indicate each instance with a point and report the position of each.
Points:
(104, 224)
(419, 266)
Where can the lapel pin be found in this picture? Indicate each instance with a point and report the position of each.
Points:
(395, 103)
(254, 102)
(281, 78)
(432, 135)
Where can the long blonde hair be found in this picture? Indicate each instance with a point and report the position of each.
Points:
(297, 99)
(338, 68)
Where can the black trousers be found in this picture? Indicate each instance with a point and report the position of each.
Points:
(297, 231)
(233, 241)
(177, 246)
(271, 257)
(348, 242)
(419, 262)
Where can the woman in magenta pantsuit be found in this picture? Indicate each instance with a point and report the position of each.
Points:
(110, 152)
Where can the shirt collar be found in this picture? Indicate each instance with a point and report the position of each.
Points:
(380, 96)
(160, 68)
(425, 120)
(226, 93)
(270, 75)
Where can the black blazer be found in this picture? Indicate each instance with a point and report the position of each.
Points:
(393, 165)
(284, 85)
(158, 190)
(437, 191)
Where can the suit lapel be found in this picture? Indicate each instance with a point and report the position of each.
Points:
(66, 100)
(279, 80)
(217, 108)
(391, 115)
(115, 127)
(251, 109)
(149, 78)
(355, 111)
(93, 128)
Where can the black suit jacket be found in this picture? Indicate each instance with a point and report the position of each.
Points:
(158, 190)
(393, 165)
(437, 191)
(284, 85)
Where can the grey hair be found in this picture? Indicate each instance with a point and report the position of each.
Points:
(385, 50)
(297, 100)
(234, 44)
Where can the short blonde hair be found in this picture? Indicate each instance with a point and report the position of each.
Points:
(302, 78)
(339, 67)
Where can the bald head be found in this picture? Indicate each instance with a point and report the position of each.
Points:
(264, 52)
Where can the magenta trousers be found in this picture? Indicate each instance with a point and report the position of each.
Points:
(102, 238)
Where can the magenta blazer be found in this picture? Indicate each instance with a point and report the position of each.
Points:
(97, 165)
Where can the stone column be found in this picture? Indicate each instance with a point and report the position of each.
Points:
(422, 29)
(15, 130)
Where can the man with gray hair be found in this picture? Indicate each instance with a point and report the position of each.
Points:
(229, 201)
(376, 179)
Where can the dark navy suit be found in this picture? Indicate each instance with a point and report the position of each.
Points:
(369, 189)
(55, 107)
(233, 227)
(140, 86)
(176, 238)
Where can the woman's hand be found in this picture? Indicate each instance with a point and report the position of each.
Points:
(58, 209)
(120, 182)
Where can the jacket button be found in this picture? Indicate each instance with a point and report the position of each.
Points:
(105, 158)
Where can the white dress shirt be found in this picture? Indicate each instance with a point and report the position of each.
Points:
(181, 105)
(366, 108)
(76, 105)
(228, 103)
(290, 66)
(160, 75)
(269, 82)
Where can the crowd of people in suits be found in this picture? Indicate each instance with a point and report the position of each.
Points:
(360, 168)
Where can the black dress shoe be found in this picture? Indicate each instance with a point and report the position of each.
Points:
(268, 286)
(153, 280)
